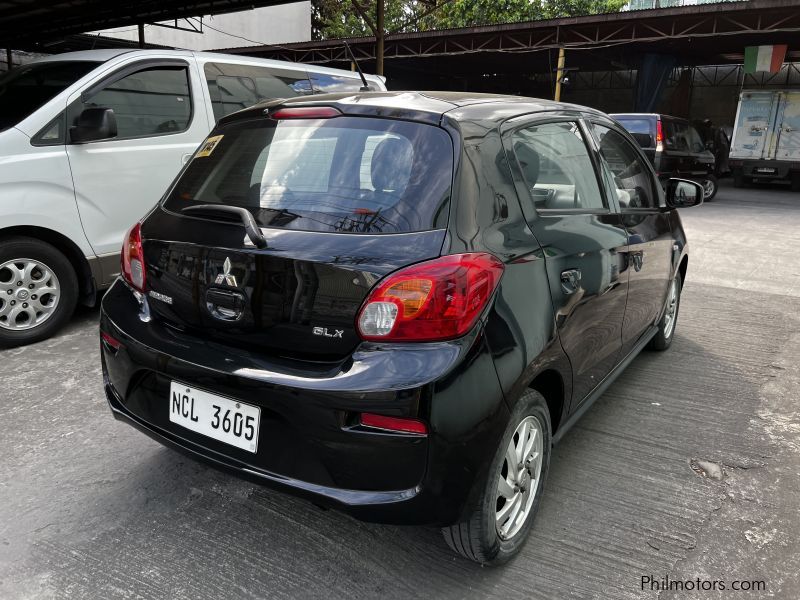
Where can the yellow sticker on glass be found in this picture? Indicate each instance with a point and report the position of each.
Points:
(208, 146)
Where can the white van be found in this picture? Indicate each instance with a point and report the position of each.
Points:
(89, 141)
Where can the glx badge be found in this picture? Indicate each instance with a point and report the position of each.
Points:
(226, 277)
(323, 331)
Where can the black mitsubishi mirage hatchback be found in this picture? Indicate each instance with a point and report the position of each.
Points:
(394, 304)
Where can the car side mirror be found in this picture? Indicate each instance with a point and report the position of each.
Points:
(682, 193)
(645, 140)
(93, 124)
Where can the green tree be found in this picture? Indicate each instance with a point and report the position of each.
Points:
(345, 18)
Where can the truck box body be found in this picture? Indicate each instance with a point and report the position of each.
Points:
(766, 137)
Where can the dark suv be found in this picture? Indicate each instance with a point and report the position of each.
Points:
(674, 147)
(395, 303)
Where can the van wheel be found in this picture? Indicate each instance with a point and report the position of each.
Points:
(710, 186)
(738, 179)
(498, 525)
(796, 182)
(38, 291)
(666, 326)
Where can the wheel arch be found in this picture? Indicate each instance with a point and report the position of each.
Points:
(550, 384)
(68, 248)
(682, 269)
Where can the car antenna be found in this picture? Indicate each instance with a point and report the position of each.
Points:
(365, 87)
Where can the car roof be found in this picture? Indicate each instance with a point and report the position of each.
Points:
(421, 105)
(98, 56)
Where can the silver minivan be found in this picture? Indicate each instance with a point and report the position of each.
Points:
(89, 141)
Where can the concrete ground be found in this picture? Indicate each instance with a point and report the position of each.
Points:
(688, 467)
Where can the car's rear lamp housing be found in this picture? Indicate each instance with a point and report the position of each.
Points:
(659, 136)
(439, 299)
(306, 112)
(133, 258)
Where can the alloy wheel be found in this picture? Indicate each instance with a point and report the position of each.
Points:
(29, 293)
(672, 309)
(519, 476)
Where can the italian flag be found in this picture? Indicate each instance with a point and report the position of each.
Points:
(764, 58)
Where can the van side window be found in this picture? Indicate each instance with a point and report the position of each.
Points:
(324, 83)
(234, 87)
(632, 181)
(558, 171)
(153, 101)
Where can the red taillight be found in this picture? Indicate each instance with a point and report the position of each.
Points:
(659, 132)
(398, 424)
(133, 258)
(438, 299)
(306, 112)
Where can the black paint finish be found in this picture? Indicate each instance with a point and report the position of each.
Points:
(310, 387)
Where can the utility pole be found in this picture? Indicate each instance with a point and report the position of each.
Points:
(559, 74)
(379, 36)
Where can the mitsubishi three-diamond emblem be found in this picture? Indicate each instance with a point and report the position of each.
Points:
(226, 277)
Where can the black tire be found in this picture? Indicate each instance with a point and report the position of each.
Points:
(21, 247)
(738, 179)
(796, 182)
(663, 339)
(477, 538)
(710, 179)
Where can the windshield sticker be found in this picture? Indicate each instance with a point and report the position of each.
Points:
(208, 146)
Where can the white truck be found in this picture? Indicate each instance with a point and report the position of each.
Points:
(766, 138)
(89, 141)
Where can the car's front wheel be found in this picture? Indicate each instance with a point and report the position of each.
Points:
(38, 291)
(498, 525)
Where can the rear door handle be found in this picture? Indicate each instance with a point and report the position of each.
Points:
(570, 280)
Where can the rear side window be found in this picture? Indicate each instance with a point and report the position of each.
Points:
(149, 102)
(234, 87)
(558, 171)
(345, 174)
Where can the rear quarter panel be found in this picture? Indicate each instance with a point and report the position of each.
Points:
(487, 216)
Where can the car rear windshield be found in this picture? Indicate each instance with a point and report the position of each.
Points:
(26, 88)
(635, 125)
(345, 174)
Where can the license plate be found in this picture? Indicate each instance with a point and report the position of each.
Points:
(765, 170)
(222, 419)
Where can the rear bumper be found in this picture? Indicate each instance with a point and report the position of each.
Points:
(309, 442)
(765, 170)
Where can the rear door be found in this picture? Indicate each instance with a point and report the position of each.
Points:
(583, 240)
(649, 236)
(788, 127)
(755, 120)
(160, 119)
(342, 202)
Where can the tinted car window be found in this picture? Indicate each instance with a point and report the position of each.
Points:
(555, 163)
(234, 87)
(345, 174)
(676, 135)
(633, 184)
(636, 125)
(26, 88)
(327, 84)
(149, 102)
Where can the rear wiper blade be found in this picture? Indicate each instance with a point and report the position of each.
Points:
(250, 226)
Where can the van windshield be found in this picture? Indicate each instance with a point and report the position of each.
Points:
(24, 89)
(344, 174)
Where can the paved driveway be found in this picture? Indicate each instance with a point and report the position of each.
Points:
(688, 467)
